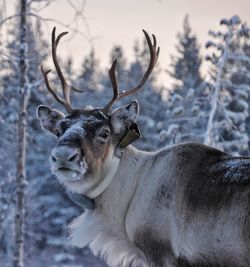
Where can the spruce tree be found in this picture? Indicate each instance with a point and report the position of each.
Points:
(88, 81)
(186, 100)
(226, 126)
(90, 72)
(186, 64)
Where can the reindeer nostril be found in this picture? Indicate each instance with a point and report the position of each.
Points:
(53, 158)
(74, 157)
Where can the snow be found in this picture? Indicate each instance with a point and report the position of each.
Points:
(212, 110)
(173, 128)
(83, 166)
(229, 100)
(63, 257)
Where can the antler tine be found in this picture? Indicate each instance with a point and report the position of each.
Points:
(55, 42)
(45, 76)
(65, 87)
(154, 54)
(57, 98)
(112, 78)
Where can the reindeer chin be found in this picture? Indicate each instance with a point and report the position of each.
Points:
(66, 175)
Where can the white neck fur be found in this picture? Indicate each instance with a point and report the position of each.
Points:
(112, 166)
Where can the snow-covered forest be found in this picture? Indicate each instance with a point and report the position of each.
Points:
(211, 108)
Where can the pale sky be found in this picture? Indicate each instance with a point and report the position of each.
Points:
(121, 21)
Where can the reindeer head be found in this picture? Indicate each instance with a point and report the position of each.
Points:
(85, 156)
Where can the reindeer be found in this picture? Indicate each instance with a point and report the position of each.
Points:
(184, 205)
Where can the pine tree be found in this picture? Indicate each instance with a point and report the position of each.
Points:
(88, 81)
(186, 101)
(186, 65)
(90, 72)
(226, 126)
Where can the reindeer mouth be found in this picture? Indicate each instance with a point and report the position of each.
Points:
(64, 169)
(69, 173)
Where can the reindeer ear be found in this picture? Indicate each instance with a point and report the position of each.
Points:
(49, 118)
(123, 116)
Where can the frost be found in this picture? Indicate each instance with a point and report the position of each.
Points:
(76, 176)
(89, 107)
(83, 166)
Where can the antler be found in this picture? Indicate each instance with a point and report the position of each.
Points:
(154, 54)
(65, 101)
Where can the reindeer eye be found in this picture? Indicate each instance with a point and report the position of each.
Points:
(104, 134)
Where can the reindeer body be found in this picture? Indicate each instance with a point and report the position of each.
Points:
(170, 208)
(186, 205)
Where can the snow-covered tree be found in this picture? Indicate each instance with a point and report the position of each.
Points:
(187, 116)
(89, 76)
(243, 78)
(88, 81)
(186, 64)
(48, 208)
(186, 101)
(226, 126)
(21, 178)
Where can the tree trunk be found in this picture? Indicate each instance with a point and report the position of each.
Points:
(22, 121)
